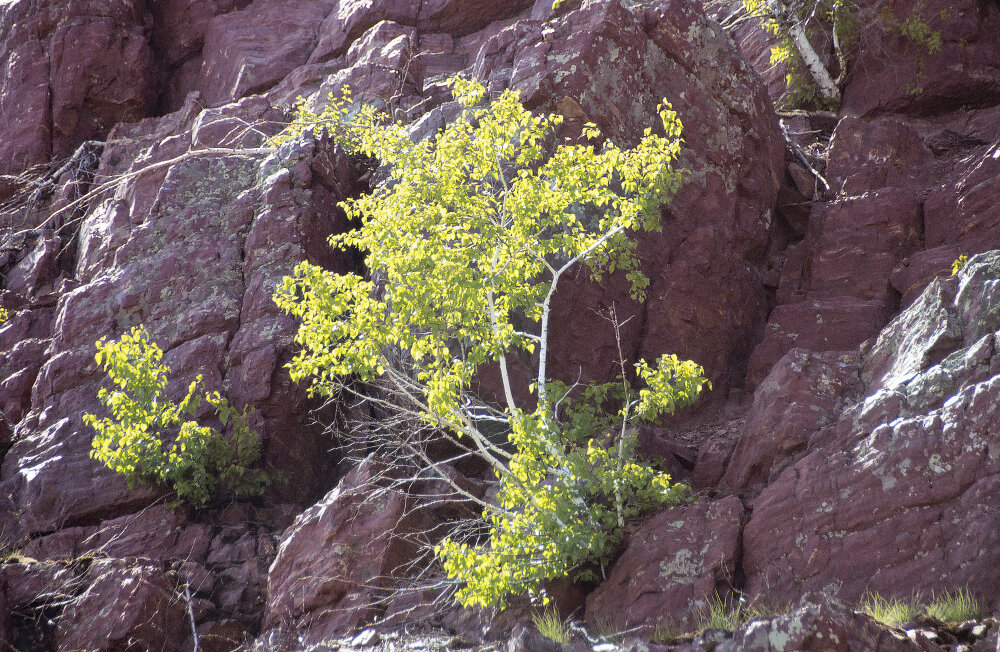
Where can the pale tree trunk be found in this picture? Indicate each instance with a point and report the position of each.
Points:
(820, 75)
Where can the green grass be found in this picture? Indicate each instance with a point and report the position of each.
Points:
(666, 632)
(551, 626)
(730, 614)
(948, 607)
(954, 607)
(891, 611)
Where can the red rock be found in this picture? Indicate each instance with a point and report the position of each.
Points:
(29, 583)
(251, 50)
(616, 65)
(885, 152)
(710, 465)
(91, 90)
(338, 555)
(819, 623)
(834, 324)
(673, 564)
(892, 73)
(965, 210)
(852, 245)
(802, 394)
(26, 135)
(912, 275)
(200, 275)
(126, 604)
(842, 268)
(179, 26)
(910, 474)
(153, 533)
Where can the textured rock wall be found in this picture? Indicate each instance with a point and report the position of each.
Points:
(192, 246)
(858, 455)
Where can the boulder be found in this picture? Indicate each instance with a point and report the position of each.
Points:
(884, 152)
(126, 605)
(910, 471)
(964, 211)
(803, 393)
(339, 557)
(194, 255)
(63, 81)
(671, 567)
(837, 281)
(250, 50)
(828, 324)
(821, 623)
(897, 73)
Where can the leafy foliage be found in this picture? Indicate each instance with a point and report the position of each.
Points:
(914, 28)
(134, 442)
(4, 315)
(841, 18)
(959, 264)
(468, 240)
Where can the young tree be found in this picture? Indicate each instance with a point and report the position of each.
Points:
(787, 20)
(468, 240)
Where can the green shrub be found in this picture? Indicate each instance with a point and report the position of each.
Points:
(150, 439)
(469, 240)
(913, 28)
(959, 264)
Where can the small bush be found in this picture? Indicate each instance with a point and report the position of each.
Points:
(150, 439)
(913, 28)
(959, 264)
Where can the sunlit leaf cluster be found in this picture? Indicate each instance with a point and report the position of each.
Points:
(574, 482)
(151, 439)
(467, 241)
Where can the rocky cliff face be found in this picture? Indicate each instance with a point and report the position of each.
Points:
(849, 445)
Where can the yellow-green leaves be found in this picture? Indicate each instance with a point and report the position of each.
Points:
(959, 264)
(148, 439)
(466, 242)
(479, 216)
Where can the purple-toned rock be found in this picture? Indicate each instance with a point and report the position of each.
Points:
(912, 472)
(804, 393)
(833, 324)
(672, 566)
(911, 276)
(893, 72)
(820, 624)
(251, 50)
(337, 559)
(965, 210)
(153, 533)
(193, 250)
(63, 81)
(853, 244)
(885, 152)
(842, 268)
(126, 605)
